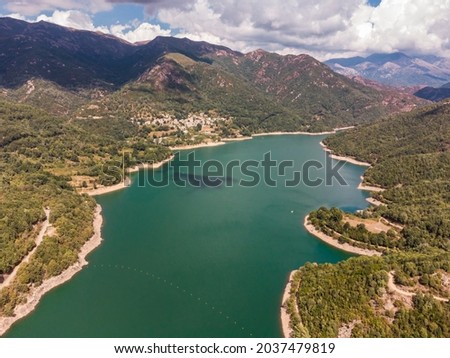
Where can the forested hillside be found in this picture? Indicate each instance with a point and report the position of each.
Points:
(410, 154)
(180, 78)
(73, 102)
(425, 130)
(40, 156)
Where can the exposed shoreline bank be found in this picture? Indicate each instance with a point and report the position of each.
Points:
(237, 139)
(36, 293)
(334, 131)
(150, 166)
(197, 146)
(285, 316)
(365, 187)
(375, 202)
(126, 184)
(334, 243)
(345, 159)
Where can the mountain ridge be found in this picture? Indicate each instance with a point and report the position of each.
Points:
(267, 91)
(434, 94)
(395, 69)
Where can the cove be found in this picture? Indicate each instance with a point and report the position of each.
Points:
(198, 261)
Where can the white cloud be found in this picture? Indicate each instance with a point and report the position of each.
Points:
(143, 32)
(323, 28)
(135, 31)
(420, 25)
(36, 7)
(15, 16)
(72, 18)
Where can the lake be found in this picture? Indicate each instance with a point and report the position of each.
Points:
(199, 261)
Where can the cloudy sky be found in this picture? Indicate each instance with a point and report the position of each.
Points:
(322, 28)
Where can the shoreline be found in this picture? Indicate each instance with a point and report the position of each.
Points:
(364, 187)
(106, 189)
(237, 139)
(290, 133)
(127, 183)
(344, 159)
(334, 131)
(285, 316)
(36, 293)
(124, 185)
(334, 243)
(197, 146)
(375, 202)
(153, 166)
(351, 160)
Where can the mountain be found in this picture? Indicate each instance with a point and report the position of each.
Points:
(75, 58)
(67, 57)
(434, 94)
(261, 91)
(395, 69)
(399, 99)
(308, 86)
(99, 76)
(72, 103)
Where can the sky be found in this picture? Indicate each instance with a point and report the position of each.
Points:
(321, 28)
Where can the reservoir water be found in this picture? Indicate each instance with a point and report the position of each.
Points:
(198, 261)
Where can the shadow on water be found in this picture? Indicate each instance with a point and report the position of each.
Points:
(202, 181)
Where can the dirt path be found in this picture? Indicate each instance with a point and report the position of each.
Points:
(390, 223)
(45, 225)
(36, 293)
(393, 287)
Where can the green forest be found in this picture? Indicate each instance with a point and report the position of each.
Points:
(326, 297)
(410, 159)
(40, 153)
(65, 131)
(42, 150)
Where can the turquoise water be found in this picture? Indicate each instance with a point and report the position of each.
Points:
(197, 262)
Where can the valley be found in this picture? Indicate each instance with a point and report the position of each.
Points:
(81, 111)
